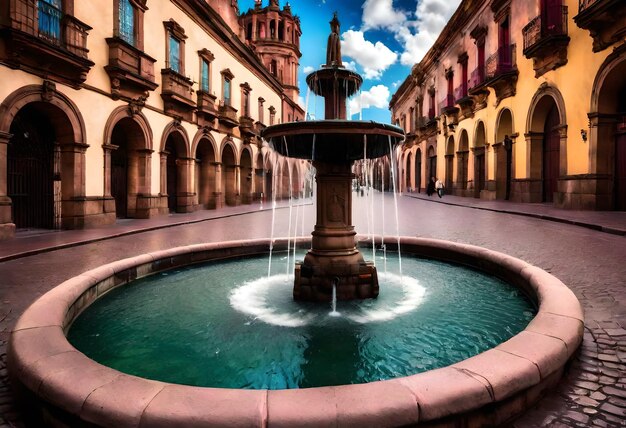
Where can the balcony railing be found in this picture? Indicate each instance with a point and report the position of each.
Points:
(553, 22)
(500, 62)
(447, 102)
(584, 4)
(477, 77)
(460, 92)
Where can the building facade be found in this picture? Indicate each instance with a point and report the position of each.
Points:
(133, 108)
(274, 35)
(521, 100)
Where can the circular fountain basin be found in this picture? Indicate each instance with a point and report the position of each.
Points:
(323, 81)
(228, 324)
(61, 385)
(333, 141)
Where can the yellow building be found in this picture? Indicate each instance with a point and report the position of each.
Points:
(521, 100)
(133, 108)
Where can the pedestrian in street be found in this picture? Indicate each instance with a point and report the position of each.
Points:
(430, 188)
(439, 187)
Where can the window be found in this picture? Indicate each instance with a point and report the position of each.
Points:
(272, 114)
(261, 115)
(245, 99)
(227, 77)
(126, 22)
(50, 19)
(206, 57)
(175, 47)
(174, 58)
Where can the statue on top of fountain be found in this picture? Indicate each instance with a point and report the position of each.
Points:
(333, 49)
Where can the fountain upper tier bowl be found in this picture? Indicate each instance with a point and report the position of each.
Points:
(333, 141)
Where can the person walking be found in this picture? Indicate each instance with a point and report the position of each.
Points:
(439, 187)
(430, 188)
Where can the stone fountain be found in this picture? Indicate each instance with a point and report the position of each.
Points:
(332, 145)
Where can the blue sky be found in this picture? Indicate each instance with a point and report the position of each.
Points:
(381, 40)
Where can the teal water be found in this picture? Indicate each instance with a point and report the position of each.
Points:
(225, 324)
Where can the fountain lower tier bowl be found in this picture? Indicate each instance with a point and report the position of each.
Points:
(61, 386)
(333, 141)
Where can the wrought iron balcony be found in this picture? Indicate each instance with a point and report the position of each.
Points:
(501, 72)
(447, 105)
(500, 62)
(477, 78)
(40, 38)
(605, 20)
(546, 39)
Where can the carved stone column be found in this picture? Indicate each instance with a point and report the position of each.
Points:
(219, 187)
(7, 227)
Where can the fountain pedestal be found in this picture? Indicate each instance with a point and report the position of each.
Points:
(333, 144)
(333, 259)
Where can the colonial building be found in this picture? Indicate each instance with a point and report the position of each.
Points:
(274, 35)
(134, 108)
(521, 100)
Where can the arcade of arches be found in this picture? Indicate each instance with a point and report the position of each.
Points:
(43, 169)
(480, 166)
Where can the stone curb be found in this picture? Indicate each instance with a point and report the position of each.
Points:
(489, 388)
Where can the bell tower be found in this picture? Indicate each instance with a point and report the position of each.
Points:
(274, 34)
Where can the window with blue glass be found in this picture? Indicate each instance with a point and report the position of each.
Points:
(226, 91)
(49, 23)
(174, 57)
(127, 22)
(204, 75)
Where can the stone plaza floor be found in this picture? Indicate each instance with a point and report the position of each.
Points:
(585, 250)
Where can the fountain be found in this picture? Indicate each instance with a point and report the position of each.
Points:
(286, 355)
(334, 262)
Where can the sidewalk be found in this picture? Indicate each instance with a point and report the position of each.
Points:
(605, 221)
(30, 242)
(27, 243)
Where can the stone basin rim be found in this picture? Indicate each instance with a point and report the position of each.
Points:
(491, 386)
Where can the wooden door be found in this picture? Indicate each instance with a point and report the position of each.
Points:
(551, 154)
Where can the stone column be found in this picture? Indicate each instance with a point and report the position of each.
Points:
(219, 190)
(107, 149)
(7, 227)
(73, 202)
(163, 173)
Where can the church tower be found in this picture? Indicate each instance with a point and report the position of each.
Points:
(274, 35)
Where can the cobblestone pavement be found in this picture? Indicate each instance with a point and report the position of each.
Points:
(592, 263)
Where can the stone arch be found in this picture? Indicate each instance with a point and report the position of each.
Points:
(418, 170)
(504, 154)
(176, 168)
(407, 171)
(284, 177)
(230, 172)
(607, 133)
(259, 177)
(546, 138)
(462, 156)
(204, 152)
(247, 175)
(432, 163)
(268, 171)
(127, 150)
(449, 171)
(480, 158)
(65, 158)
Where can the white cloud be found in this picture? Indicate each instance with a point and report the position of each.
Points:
(374, 58)
(418, 36)
(396, 83)
(350, 65)
(377, 96)
(308, 69)
(381, 14)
